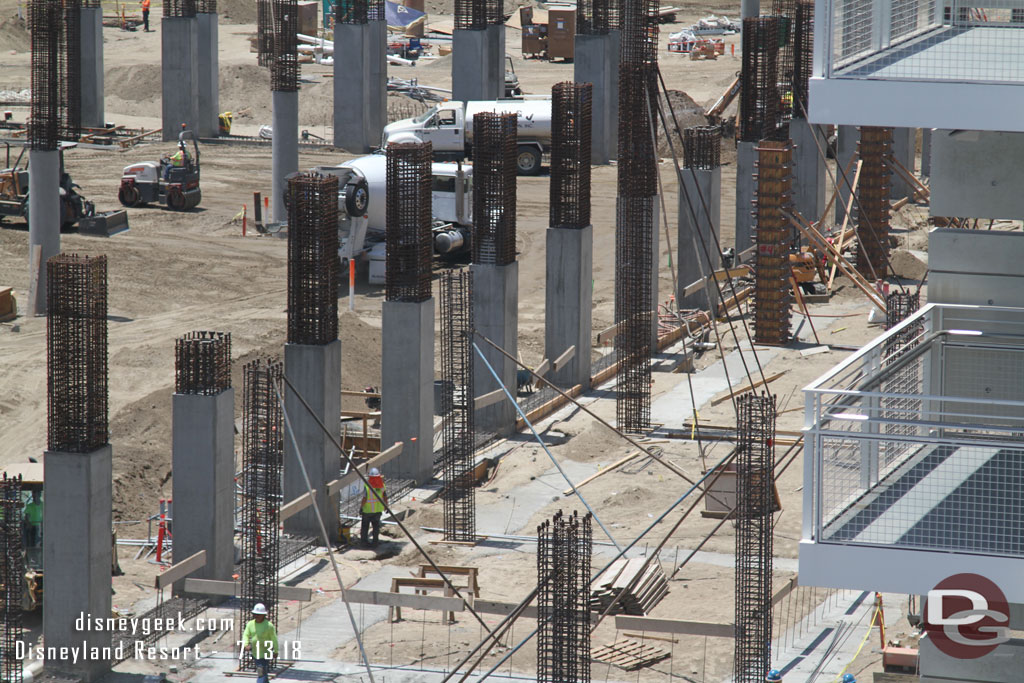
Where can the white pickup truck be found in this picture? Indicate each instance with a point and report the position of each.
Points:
(449, 127)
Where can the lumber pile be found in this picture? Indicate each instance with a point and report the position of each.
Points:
(646, 592)
(629, 654)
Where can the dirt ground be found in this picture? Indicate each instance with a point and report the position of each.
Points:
(173, 273)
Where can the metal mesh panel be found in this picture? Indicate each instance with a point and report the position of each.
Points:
(264, 32)
(375, 10)
(760, 101)
(906, 380)
(262, 496)
(702, 147)
(570, 154)
(202, 363)
(312, 259)
(592, 16)
(179, 8)
(457, 410)
(409, 240)
(785, 12)
(494, 188)
(44, 22)
(471, 14)
(71, 70)
(564, 549)
(284, 70)
(76, 353)
(773, 296)
(12, 570)
(755, 462)
(873, 208)
(803, 55)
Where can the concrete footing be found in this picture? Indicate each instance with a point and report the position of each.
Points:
(179, 46)
(203, 462)
(746, 156)
(315, 372)
(846, 147)
(478, 66)
(43, 220)
(407, 387)
(360, 85)
(207, 65)
(91, 29)
(596, 60)
(697, 258)
(284, 149)
(809, 145)
(904, 150)
(77, 547)
(568, 302)
(496, 316)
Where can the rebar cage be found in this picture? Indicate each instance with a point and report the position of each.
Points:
(202, 363)
(312, 259)
(702, 147)
(284, 69)
(262, 494)
(760, 114)
(592, 16)
(12, 572)
(179, 8)
(872, 208)
(494, 188)
(206, 6)
(264, 32)
(409, 238)
(76, 353)
(803, 56)
(457, 408)
(44, 123)
(571, 105)
(564, 549)
(71, 70)
(773, 295)
(478, 14)
(755, 463)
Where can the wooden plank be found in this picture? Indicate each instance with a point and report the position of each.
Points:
(387, 456)
(566, 356)
(234, 588)
(677, 626)
(542, 369)
(618, 463)
(411, 600)
(784, 591)
(609, 333)
(296, 506)
(362, 394)
(181, 569)
(846, 220)
(746, 387)
(488, 399)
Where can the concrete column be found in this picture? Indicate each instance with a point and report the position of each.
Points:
(315, 372)
(904, 150)
(593, 63)
(407, 387)
(809, 145)
(846, 147)
(179, 43)
(750, 8)
(496, 60)
(655, 267)
(703, 188)
(926, 152)
(77, 556)
(43, 219)
(207, 64)
(472, 71)
(284, 148)
(92, 66)
(746, 156)
(203, 462)
(360, 85)
(496, 316)
(568, 299)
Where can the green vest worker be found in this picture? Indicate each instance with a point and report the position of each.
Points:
(33, 521)
(260, 638)
(372, 508)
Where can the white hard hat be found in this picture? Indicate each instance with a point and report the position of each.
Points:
(374, 472)
(259, 608)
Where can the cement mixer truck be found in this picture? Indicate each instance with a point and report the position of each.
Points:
(449, 127)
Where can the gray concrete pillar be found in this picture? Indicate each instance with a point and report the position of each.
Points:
(179, 45)
(904, 150)
(203, 463)
(284, 148)
(746, 157)
(360, 85)
(207, 65)
(407, 387)
(496, 316)
(77, 557)
(926, 152)
(315, 372)
(697, 258)
(568, 299)
(474, 72)
(44, 212)
(846, 148)
(655, 267)
(750, 8)
(496, 61)
(594, 61)
(91, 29)
(809, 145)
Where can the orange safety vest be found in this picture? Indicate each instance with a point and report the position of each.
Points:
(373, 505)
(145, 5)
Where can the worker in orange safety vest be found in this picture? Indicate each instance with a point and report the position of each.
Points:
(373, 506)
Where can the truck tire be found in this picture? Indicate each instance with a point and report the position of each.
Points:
(357, 197)
(528, 160)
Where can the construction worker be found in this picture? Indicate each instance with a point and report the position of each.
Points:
(848, 678)
(372, 507)
(176, 160)
(260, 639)
(774, 676)
(33, 521)
(145, 15)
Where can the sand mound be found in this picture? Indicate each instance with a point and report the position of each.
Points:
(14, 34)
(687, 113)
(237, 11)
(907, 265)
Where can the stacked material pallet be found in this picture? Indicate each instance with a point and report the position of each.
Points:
(642, 594)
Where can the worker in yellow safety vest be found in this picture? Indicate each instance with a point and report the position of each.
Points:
(373, 507)
(260, 639)
(33, 521)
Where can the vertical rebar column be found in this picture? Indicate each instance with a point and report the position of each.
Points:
(494, 188)
(803, 55)
(592, 17)
(760, 100)
(409, 239)
(872, 207)
(472, 14)
(265, 31)
(284, 68)
(458, 433)
(202, 363)
(76, 353)
(312, 259)
(636, 213)
(71, 69)
(360, 74)
(12, 573)
(785, 12)
(570, 154)
(773, 296)
(755, 461)
(284, 86)
(564, 548)
(262, 460)
(700, 213)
